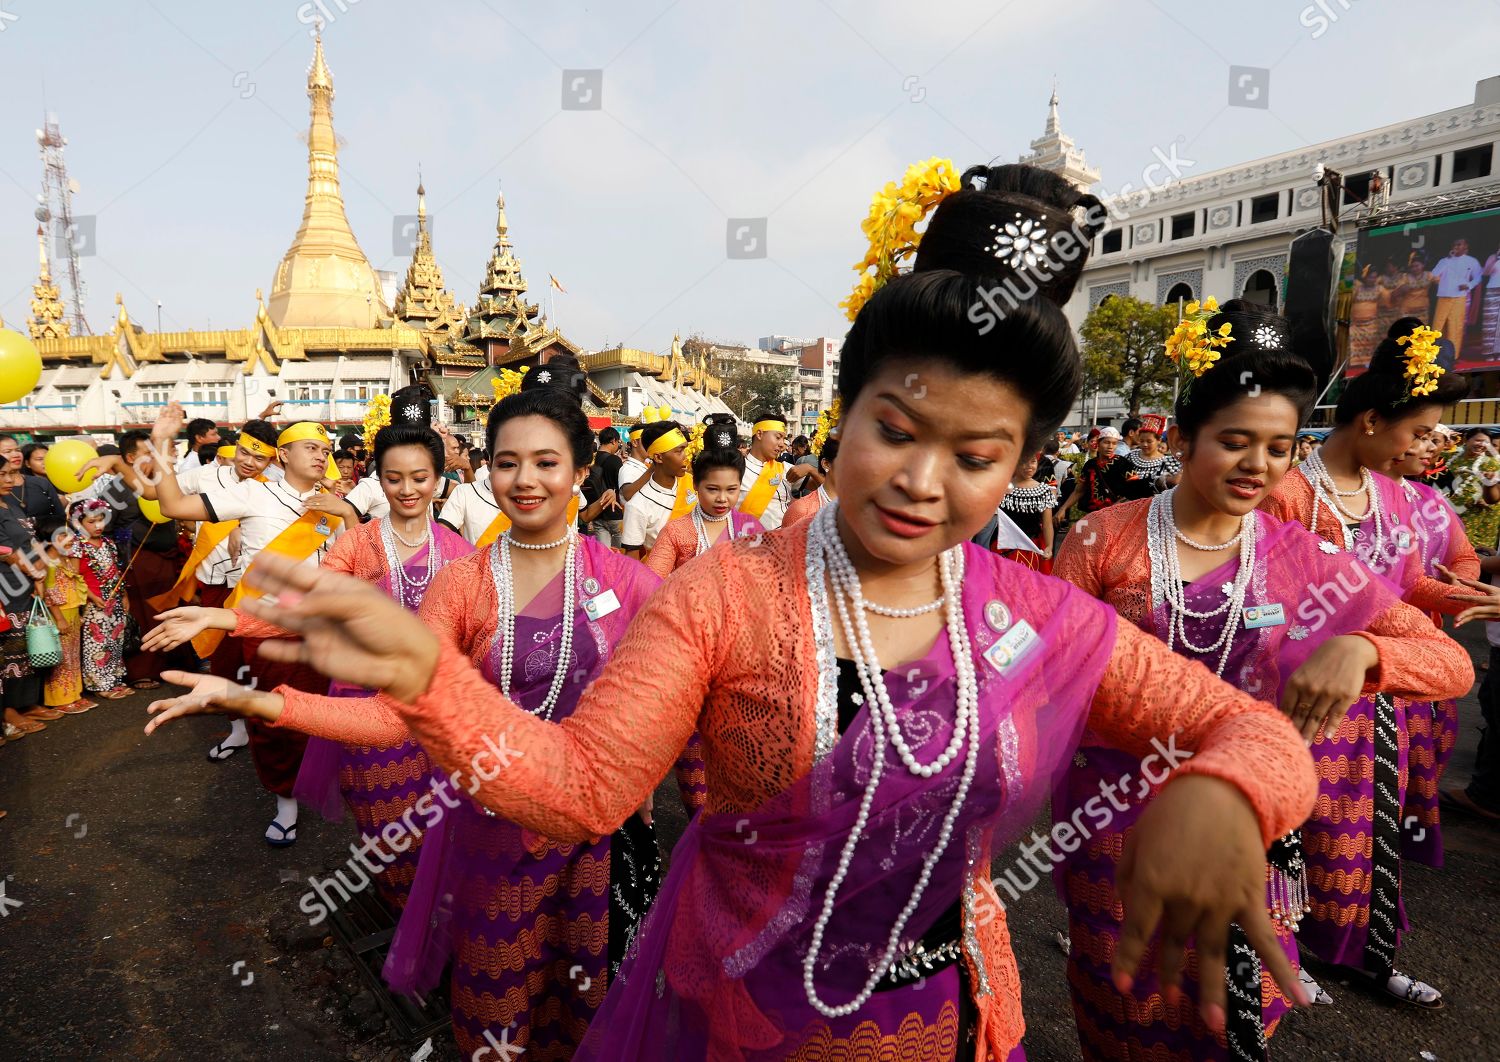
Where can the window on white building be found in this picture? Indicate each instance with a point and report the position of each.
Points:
(153, 396)
(1265, 208)
(1113, 240)
(364, 390)
(1472, 163)
(214, 394)
(70, 396)
(311, 392)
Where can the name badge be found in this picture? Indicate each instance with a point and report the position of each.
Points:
(323, 528)
(596, 608)
(1403, 539)
(1014, 646)
(1256, 616)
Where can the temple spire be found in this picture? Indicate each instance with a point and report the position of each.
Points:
(1054, 150)
(324, 280)
(48, 318)
(423, 301)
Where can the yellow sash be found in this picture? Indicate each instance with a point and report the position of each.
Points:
(686, 499)
(209, 536)
(501, 524)
(298, 541)
(760, 494)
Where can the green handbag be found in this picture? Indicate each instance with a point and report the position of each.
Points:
(43, 643)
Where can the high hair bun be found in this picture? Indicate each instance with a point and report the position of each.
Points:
(1252, 326)
(412, 406)
(1014, 221)
(561, 372)
(1390, 356)
(720, 431)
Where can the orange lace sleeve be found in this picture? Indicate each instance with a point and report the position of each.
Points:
(1461, 560)
(248, 626)
(582, 777)
(352, 720)
(1155, 703)
(1077, 563)
(668, 553)
(1417, 660)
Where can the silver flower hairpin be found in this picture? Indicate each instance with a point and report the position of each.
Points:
(1020, 241)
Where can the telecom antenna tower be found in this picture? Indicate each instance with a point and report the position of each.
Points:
(55, 210)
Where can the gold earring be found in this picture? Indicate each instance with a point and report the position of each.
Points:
(1369, 431)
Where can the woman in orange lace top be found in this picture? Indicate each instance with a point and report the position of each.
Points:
(1354, 839)
(807, 506)
(1221, 583)
(716, 472)
(868, 749)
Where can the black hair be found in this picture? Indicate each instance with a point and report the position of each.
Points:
(720, 431)
(1476, 431)
(1051, 447)
(394, 435)
(343, 455)
(476, 456)
(561, 373)
(800, 440)
(830, 452)
(657, 430)
(765, 414)
(200, 426)
(350, 440)
(1130, 424)
(109, 450)
(948, 308)
(208, 453)
(131, 440)
(1258, 356)
(261, 431)
(926, 316)
(712, 457)
(412, 405)
(558, 405)
(1382, 388)
(608, 435)
(27, 451)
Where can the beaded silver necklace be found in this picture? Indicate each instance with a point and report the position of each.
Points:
(505, 590)
(1325, 490)
(1162, 537)
(698, 525)
(408, 591)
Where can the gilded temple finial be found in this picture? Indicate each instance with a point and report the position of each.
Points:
(48, 318)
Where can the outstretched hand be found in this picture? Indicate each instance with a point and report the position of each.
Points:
(177, 625)
(211, 695)
(345, 627)
(1195, 863)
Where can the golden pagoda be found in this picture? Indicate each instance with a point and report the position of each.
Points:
(423, 302)
(324, 280)
(48, 317)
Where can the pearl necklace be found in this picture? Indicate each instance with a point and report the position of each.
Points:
(699, 520)
(407, 591)
(1199, 545)
(1166, 580)
(426, 533)
(885, 728)
(903, 613)
(505, 589)
(568, 537)
(1326, 491)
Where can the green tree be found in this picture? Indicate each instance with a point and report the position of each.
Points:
(749, 387)
(1124, 351)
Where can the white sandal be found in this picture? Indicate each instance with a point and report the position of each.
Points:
(1406, 989)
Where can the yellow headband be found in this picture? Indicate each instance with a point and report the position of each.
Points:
(668, 441)
(636, 430)
(304, 431)
(225, 451)
(251, 445)
(770, 425)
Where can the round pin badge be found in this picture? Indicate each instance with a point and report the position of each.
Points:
(591, 586)
(997, 615)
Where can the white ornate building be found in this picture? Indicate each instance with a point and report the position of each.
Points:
(1226, 233)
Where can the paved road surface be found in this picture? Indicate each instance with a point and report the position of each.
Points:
(142, 881)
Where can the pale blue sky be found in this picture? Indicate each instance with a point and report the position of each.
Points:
(184, 122)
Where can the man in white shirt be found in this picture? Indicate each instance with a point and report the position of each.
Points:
(1126, 442)
(765, 490)
(269, 515)
(633, 466)
(201, 432)
(470, 509)
(1455, 276)
(651, 505)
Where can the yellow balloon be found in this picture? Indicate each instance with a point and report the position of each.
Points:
(20, 366)
(152, 511)
(64, 458)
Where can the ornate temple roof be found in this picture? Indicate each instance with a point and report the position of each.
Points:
(48, 316)
(423, 302)
(502, 320)
(324, 279)
(1055, 151)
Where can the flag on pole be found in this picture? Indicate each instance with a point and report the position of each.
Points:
(556, 284)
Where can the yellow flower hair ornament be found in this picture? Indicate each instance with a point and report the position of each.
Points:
(377, 416)
(695, 443)
(507, 382)
(891, 225)
(1191, 345)
(1422, 369)
(828, 422)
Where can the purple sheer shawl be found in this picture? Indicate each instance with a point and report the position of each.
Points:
(716, 969)
(424, 937)
(1322, 595)
(1435, 522)
(317, 782)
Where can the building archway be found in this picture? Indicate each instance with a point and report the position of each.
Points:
(1261, 287)
(1180, 291)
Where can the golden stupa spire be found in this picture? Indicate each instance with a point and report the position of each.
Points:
(48, 320)
(324, 280)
